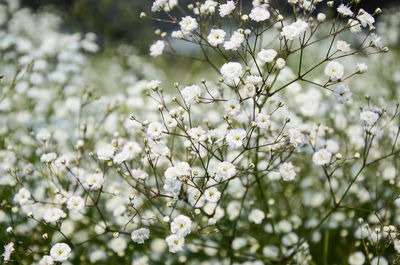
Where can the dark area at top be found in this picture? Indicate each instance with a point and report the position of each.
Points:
(118, 20)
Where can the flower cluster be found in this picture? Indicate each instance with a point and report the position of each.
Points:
(277, 153)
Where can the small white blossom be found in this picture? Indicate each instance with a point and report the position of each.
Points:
(93, 181)
(53, 215)
(365, 18)
(60, 252)
(75, 204)
(344, 10)
(357, 258)
(369, 117)
(231, 71)
(267, 56)
(342, 46)
(157, 48)
(342, 93)
(181, 226)
(212, 194)
(8, 250)
(334, 70)
(286, 170)
(235, 137)
(22, 197)
(140, 235)
(225, 170)
(226, 9)
(154, 130)
(322, 157)
(256, 216)
(175, 243)
(191, 93)
(216, 37)
(259, 14)
(188, 24)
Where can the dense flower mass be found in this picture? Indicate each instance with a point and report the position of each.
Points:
(276, 149)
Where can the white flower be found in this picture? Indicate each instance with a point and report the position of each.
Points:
(234, 42)
(355, 26)
(263, 120)
(188, 24)
(396, 245)
(158, 5)
(23, 196)
(157, 48)
(280, 63)
(379, 260)
(8, 250)
(105, 153)
(53, 215)
(212, 194)
(197, 134)
(46, 260)
(118, 245)
(286, 170)
(75, 204)
(361, 68)
(231, 71)
(60, 252)
(256, 216)
(321, 17)
(301, 25)
(267, 56)
(233, 209)
(290, 32)
(181, 226)
(154, 130)
(334, 70)
(61, 162)
(342, 93)
(172, 185)
(232, 107)
(365, 18)
(357, 258)
(140, 235)
(216, 37)
(376, 41)
(294, 30)
(235, 137)
(208, 7)
(296, 138)
(177, 34)
(153, 84)
(195, 198)
(139, 174)
(182, 169)
(248, 90)
(369, 117)
(93, 181)
(322, 157)
(226, 9)
(254, 79)
(48, 157)
(344, 10)
(259, 14)
(170, 122)
(191, 93)
(224, 170)
(175, 243)
(122, 157)
(342, 46)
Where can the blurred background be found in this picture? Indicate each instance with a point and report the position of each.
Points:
(117, 21)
